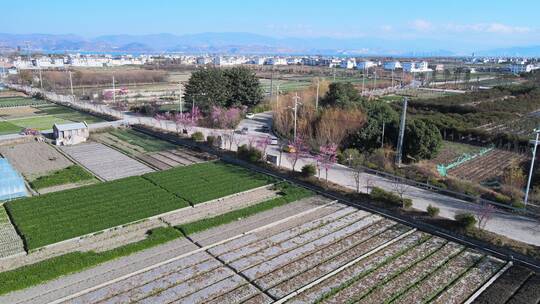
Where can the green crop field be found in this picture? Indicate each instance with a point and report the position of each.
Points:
(48, 115)
(206, 181)
(39, 123)
(8, 128)
(19, 101)
(147, 142)
(66, 113)
(58, 216)
(71, 174)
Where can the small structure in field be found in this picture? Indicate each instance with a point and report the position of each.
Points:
(70, 134)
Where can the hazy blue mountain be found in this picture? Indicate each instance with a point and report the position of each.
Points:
(527, 51)
(245, 43)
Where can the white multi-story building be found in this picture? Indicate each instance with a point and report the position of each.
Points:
(416, 67)
(276, 61)
(523, 68)
(258, 60)
(204, 60)
(364, 65)
(391, 65)
(348, 63)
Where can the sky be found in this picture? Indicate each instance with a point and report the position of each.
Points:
(470, 23)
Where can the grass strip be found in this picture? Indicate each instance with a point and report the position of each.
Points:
(288, 193)
(71, 174)
(53, 268)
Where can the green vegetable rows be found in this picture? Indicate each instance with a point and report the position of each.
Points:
(58, 216)
(19, 101)
(206, 181)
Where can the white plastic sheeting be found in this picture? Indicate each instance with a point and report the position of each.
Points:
(11, 182)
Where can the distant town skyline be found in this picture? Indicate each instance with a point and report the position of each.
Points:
(459, 26)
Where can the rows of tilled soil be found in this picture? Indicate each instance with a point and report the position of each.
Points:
(341, 256)
(171, 158)
(516, 285)
(33, 159)
(488, 166)
(105, 162)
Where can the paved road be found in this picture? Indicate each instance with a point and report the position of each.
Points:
(516, 227)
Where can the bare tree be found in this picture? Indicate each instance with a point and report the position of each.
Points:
(369, 183)
(484, 214)
(400, 188)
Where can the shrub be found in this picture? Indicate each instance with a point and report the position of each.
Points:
(518, 204)
(465, 220)
(309, 170)
(462, 187)
(433, 211)
(197, 136)
(210, 139)
(407, 203)
(497, 197)
(383, 196)
(249, 153)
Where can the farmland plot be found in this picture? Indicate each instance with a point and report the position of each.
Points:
(34, 159)
(58, 216)
(10, 242)
(488, 166)
(516, 285)
(341, 256)
(105, 162)
(150, 150)
(207, 181)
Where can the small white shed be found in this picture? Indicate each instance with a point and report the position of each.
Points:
(70, 134)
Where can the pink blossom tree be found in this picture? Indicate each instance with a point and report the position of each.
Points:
(262, 144)
(299, 150)
(160, 118)
(225, 118)
(328, 157)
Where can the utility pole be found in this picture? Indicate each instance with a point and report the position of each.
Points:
(334, 70)
(364, 79)
(392, 78)
(40, 79)
(537, 131)
(113, 90)
(70, 81)
(277, 96)
(401, 132)
(296, 97)
(317, 97)
(382, 135)
(180, 97)
(272, 84)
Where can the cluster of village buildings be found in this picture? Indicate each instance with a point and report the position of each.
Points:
(12, 65)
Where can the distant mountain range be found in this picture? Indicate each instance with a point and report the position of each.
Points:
(237, 43)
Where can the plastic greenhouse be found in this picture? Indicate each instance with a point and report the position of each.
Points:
(11, 182)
